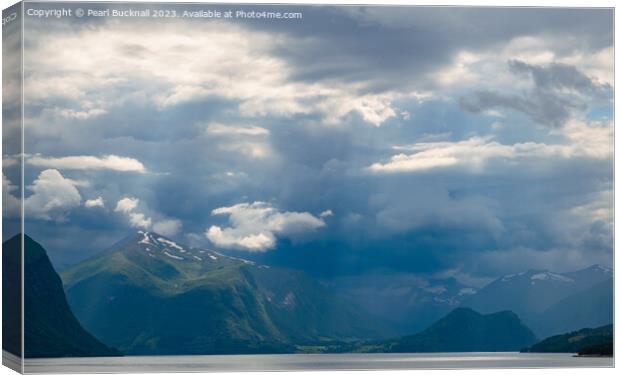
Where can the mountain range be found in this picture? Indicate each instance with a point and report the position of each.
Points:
(548, 302)
(50, 328)
(154, 296)
(407, 303)
(148, 295)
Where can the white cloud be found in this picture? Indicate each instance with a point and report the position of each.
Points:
(255, 226)
(168, 227)
(53, 196)
(139, 220)
(252, 242)
(221, 129)
(589, 140)
(111, 162)
(81, 115)
(10, 160)
(97, 202)
(227, 61)
(326, 213)
(253, 150)
(11, 206)
(126, 204)
(244, 140)
(158, 223)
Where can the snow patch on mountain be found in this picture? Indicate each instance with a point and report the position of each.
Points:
(173, 256)
(146, 239)
(467, 291)
(170, 244)
(551, 276)
(512, 276)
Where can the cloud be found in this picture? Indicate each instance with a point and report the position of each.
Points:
(126, 204)
(436, 208)
(559, 91)
(228, 62)
(248, 141)
(10, 160)
(589, 140)
(557, 76)
(326, 213)
(255, 226)
(11, 205)
(53, 196)
(97, 202)
(253, 150)
(138, 220)
(168, 227)
(162, 225)
(235, 130)
(111, 162)
(323, 106)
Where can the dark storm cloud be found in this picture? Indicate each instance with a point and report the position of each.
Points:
(311, 155)
(548, 102)
(542, 108)
(397, 46)
(561, 76)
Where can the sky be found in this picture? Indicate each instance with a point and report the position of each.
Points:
(471, 142)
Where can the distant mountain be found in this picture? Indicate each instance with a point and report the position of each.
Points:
(592, 307)
(530, 294)
(588, 341)
(150, 295)
(465, 330)
(51, 329)
(408, 303)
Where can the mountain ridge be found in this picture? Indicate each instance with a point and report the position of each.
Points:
(532, 293)
(198, 301)
(50, 327)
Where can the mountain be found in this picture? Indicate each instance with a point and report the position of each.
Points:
(530, 294)
(150, 295)
(11, 296)
(408, 303)
(51, 329)
(586, 341)
(465, 330)
(592, 307)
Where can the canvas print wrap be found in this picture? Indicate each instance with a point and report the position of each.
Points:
(202, 187)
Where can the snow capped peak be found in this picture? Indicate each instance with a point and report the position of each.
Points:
(547, 275)
(146, 238)
(537, 275)
(155, 244)
(600, 268)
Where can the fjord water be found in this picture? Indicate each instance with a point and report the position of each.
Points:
(290, 362)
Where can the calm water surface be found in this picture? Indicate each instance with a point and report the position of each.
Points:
(292, 362)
